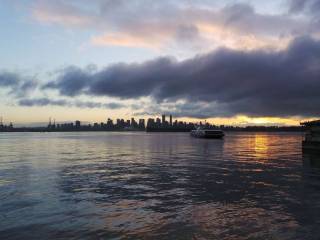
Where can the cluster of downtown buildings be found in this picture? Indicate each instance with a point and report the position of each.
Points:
(160, 125)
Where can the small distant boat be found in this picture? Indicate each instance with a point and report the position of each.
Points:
(207, 133)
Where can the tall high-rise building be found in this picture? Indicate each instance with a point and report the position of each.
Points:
(78, 124)
(170, 120)
(109, 123)
(158, 122)
(150, 123)
(133, 123)
(142, 123)
(163, 119)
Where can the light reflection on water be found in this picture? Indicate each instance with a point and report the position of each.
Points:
(157, 186)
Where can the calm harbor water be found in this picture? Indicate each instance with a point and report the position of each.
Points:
(157, 186)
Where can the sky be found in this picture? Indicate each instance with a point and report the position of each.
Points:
(224, 61)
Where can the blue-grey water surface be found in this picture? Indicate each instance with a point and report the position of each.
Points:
(98, 185)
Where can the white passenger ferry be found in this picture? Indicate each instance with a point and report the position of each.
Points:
(207, 133)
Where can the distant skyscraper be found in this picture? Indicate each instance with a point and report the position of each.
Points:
(170, 120)
(78, 124)
(150, 123)
(163, 119)
(141, 123)
(133, 123)
(158, 121)
(109, 123)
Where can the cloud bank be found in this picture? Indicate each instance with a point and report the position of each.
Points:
(226, 82)
(17, 85)
(41, 102)
(167, 24)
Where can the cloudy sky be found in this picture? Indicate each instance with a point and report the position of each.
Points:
(232, 62)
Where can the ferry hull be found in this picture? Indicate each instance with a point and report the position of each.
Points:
(203, 134)
(211, 137)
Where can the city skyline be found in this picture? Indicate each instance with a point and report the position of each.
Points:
(158, 124)
(160, 120)
(229, 62)
(236, 121)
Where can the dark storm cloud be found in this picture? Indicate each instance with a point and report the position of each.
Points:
(41, 102)
(256, 83)
(18, 85)
(112, 106)
(8, 79)
(71, 81)
(120, 80)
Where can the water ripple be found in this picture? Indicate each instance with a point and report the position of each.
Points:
(157, 186)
